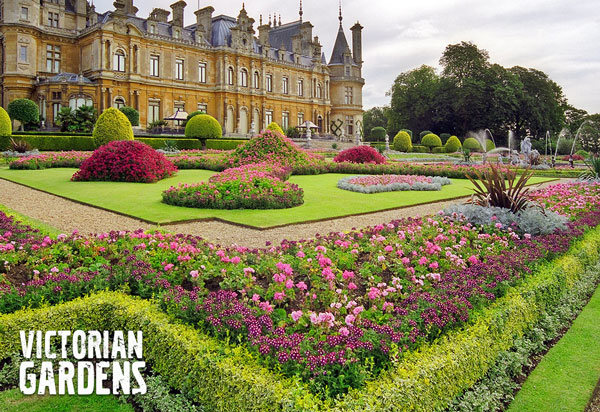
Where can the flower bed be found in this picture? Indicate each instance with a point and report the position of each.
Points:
(391, 183)
(253, 186)
(335, 311)
(48, 160)
(359, 154)
(125, 161)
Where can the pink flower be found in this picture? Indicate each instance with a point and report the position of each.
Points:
(194, 273)
(248, 270)
(301, 286)
(358, 310)
(423, 260)
(388, 249)
(328, 274)
(350, 319)
(434, 265)
(405, 261)
(279, 277)
(54, 270)
(300, 254)
(289, 284)
(374, 293)
(352, 286)
(255, 298)
(279, 295)
(344, 331)
(347, 274)
(266, 306)
(473, 259)
(235, 260)
(168, 267)
(297, 314)
(380, 258)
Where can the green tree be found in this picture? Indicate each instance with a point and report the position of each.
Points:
(85, 118)
(65, 118)
(25, 111)
(413, 99)
(464, 61)
(374, 117)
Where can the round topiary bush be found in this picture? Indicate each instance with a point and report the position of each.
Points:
(23, 110)
(192, 114)
(5, 123)
(453, 144)
(203, 126)
(402, 142)
(360, 154)
(274, 127)
(472, 144)
(111, 125)
(132, 114)
(424, 133)
(125, 161)
(489, 145)
(377, 134)
(431, 140)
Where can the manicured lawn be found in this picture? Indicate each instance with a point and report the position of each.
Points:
(322, 198)
(566, 377)
(14, 401)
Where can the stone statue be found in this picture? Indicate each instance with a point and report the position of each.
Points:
(387, 142)
(526, 146)
(252, 128)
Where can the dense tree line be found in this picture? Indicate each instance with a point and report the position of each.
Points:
(471, 94)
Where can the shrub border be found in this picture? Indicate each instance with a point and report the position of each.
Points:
(226, 378)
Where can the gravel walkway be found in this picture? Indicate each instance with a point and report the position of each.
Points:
(67, 216)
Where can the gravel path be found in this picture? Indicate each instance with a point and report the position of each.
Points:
(67, 216)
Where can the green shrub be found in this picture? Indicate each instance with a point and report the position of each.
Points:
(24, 110)
(274, 127)
(410, 133)
(182, 144)
(292, 132)
(203, 126)
(377, 134)
(132, 114)
(5, 123)
(55, 142)
(441, 149)
(472, 144)
(453, 145)
(431, 140)
(402, 142)
(565, 146)
(583, 153)
(424, 133)
(224, 144)
(489, 145)
(111, 125)
(420, 149)
(444, 137)
(192, 114)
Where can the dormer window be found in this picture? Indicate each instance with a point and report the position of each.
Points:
(152, 29)
(347, 70)
(177, 34)
(24, 13)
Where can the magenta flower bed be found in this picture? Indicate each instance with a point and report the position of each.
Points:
(125, 161)
(53, 159)
(360, 154)
(389, 179)
(253, 186)
(335, 311)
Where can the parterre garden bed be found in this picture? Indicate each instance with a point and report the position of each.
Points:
(401, 316)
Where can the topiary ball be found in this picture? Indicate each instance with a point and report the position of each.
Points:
(203, 126)
(24, 110)
(274, 127)
(402, 142)
(431, 140)
(378, 134)
(360, 154)
(472, 144)
(453, 144)
(5, 123)
(132, 114)
(489, 145)
(125, 161)
(111, 125)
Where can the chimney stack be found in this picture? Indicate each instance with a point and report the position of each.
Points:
(204, 21)
(178, 13)
(357, 43)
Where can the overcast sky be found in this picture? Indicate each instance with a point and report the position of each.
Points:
(559, 37)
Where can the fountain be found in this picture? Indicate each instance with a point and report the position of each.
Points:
(577, 135)
(546, 143)
(562, 133)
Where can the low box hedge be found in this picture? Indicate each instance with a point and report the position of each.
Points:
(182, 144)
(224, 378)
(420, 149)
(224, 144)
(68, 142)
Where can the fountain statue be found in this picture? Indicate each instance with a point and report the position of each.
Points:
(526, 146)
(387, 142)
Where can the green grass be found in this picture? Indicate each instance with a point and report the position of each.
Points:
(14, 401)
(322, 198)
(566, 377)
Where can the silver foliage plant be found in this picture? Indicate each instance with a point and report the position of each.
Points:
(532, 220)
(436, 184)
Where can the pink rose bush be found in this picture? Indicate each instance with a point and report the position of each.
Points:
(360, 154)
(335, 311)
(252, 186)
(125, 161)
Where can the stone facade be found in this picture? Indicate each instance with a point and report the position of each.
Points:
(64, 53)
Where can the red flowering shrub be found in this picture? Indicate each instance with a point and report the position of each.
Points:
(359, 154)
(125, 161)
(575, 157)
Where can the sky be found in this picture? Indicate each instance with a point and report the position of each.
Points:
(558, 37)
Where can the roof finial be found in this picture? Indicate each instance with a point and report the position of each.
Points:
(243, 6)
(261, 20)
(340, 18)
(301, 10)
(269, 19)
(280, 19)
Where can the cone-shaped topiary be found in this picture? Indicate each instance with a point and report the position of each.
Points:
(402, 142)
(112, 125)
(453, 144)
(472, 144)
(431, 140)
(274, 127)
(5, 123)
(203, 126)
(125, 161)
(132, 114)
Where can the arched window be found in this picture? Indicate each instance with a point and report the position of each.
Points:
(244, 78)
(80, 100)
(256, 80)
(230, 76)
(119, 102)
(319, 91)
(119, 61)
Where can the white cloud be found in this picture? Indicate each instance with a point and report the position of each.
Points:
(558, 37)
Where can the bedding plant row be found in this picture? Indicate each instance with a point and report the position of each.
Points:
(334, 312)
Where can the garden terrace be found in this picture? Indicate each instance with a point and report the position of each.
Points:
(405, 293)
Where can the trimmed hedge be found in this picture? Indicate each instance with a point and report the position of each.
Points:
(218, 376)
(182, 144)
(224, 144)
(420, 149)
(441, 149)
(453, 144)
(203, 126)
(132, 114)
(472, 144)
(111, 125)
(377, 134)
(402, 142)
(5, 123)
(431, 140)
(274, 127)
(53, 142)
